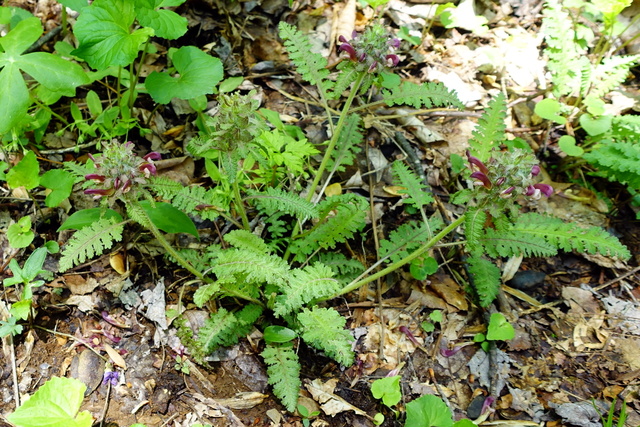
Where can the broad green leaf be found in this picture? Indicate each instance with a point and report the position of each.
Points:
(595, 125)
(20, 234)
(548, 109)
(169, 219)
(278, 334)
(199, 73)
(428, 411)
(55, 404)
(465, 423)
(421, 268)
(10, 327)
(499, 328)
(19, 39)
(14, 97)
(230, 84)
(387, 389)
(54, 72)
(567, 143)
(25, 174)
(166, 23)
(104, 33)
(21, 309)
(60, 182)
(33, 265)
(85, 217)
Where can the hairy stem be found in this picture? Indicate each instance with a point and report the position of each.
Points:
(396, 265)
(240, 205)
(335, 136)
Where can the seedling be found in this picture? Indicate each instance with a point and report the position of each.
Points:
(499, 329)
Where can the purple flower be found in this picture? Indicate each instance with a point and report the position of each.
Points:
(477, 163)
(154, 155)
(484, 179)
(450, 352)
(111, 377)
(346, 47)
(392, 60)
(486, 406)
(536, 190)
(95, 177)
(535, 170)
(99, 192)
(394, 43)
(409, 335)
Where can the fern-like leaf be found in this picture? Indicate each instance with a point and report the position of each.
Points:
(204, 293)
(426, 95)
(348, 144)
(311, 65)
(473, 230)
(609, 74)
(568, 237)
(283, 370)
(342, 215)
(486, 279)
(490, 130)
(323, 328)
(224, 328)
(243, 239)
(567, 59)
(252, 267)
(305, 285)
(90, 241)
(617, 161)
(511, 243)
(274, 200)
(407, 238)
(413, 186)
(346, 269)
(195, 200)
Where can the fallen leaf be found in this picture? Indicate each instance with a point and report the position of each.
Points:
(115, 357)
(329, 402)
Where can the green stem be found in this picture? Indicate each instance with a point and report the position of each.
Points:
(183, 262)
(336, 135)
(240, 205)
(396, 265)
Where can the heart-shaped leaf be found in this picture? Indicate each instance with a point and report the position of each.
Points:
(595, 125)
(499, 328)
(199, 73)
(165, 23)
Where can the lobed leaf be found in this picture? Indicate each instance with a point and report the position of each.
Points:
(283, 369)
(90, 242)
(323, 328)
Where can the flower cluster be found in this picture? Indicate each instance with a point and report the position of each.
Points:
(372, 50)
(118, 169)
(508, 173)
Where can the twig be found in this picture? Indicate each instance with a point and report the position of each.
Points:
(70, 149)
(14, 372)
(44, 39)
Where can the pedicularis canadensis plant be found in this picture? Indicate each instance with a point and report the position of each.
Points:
(284, 269)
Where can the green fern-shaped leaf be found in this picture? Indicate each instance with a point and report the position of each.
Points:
(426, 95)
(305, 285)
(224, 328)
(413, 186)
(407, 238)
(90, 241)
(312, 66)
(273, 200)
(511, 243)
(243, 239)
(567, 59)
(617, 161)
(342, 216)
(283, 370)
(323, 328)
(195, 200)
(486, 279)
(568, 237)
(474, 230)
(346, 269)
(608, 75)
(490, 130)
(204, 293)
(348, 145)
(252, 267)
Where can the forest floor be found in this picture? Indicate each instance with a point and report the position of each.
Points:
(577, 318)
